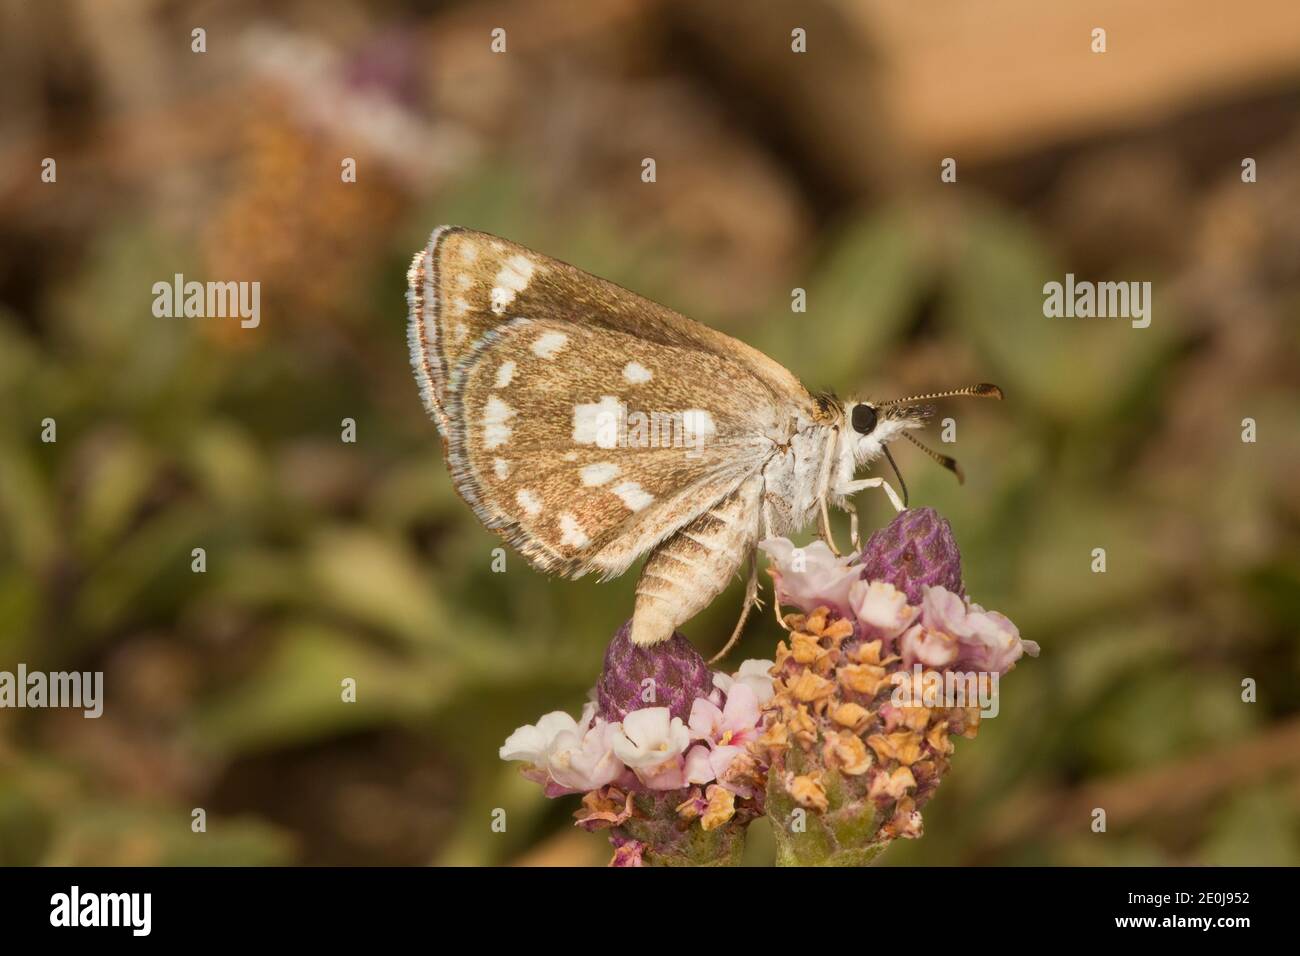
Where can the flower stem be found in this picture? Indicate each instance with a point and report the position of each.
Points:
(838, 836)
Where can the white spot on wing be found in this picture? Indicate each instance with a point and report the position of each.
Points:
(505, 372)
(599, 473)
(549, 343)
(501, 468)
(459, 305)
(528, 501)
(598, 423)
(496, 415)
(513, 278)
(632, 495)
(571, 532)
(697, 426)
(636, 373)
(463, 281)
(468, 251)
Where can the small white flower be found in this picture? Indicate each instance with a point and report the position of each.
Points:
(754, 674)
(931, 648)
(881, 605)
(586, 761)
(698, 768)
(650, 736)
(533, 743)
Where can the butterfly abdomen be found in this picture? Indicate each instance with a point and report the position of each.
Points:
(685, 573)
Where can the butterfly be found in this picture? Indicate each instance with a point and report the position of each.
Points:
(589, 426)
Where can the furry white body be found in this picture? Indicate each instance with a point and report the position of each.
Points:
(814, 465)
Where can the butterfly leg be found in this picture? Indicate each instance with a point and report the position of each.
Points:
(853, 530)
(825, 532)
(751, 599)
(862, 484)
(767, 533)
(823, 483)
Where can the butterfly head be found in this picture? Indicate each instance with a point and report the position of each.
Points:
(872, 425)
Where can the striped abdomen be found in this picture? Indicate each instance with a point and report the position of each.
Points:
(691, 568)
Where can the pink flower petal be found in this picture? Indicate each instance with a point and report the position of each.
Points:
(698, 767)
(881, 609)
(741, 711)
(811, 576)
(930, 648)
(706, 720)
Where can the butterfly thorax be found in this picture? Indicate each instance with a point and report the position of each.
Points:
(793, 478)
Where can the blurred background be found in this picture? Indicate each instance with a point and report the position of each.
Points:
(775, 170)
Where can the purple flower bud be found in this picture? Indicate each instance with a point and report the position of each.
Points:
(668, 674)
(914, 551)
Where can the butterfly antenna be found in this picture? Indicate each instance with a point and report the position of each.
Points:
(982, 390)
(944, 460)
(898, 474)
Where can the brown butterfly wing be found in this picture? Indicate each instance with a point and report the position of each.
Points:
(583, 422)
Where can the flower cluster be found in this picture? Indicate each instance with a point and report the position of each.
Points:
(665, 739)
(649, 748)
(853, 746)
(840, 741)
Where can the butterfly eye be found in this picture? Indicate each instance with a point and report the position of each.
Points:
(864, 419)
